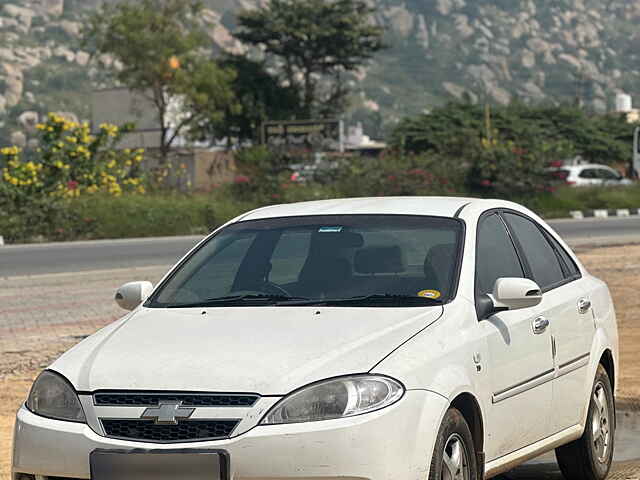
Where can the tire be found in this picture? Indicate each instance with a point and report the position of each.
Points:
(454, 450)
(590, 457)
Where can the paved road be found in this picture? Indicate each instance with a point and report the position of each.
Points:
(21, 260)
(111, 254)
(599, 231)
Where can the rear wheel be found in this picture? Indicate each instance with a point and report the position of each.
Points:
(590, 457)
(454, 456)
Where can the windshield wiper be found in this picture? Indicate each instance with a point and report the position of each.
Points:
(239, 300)
(386, 299)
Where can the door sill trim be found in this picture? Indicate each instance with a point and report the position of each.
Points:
(513, 459)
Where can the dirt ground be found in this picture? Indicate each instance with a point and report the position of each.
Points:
(618, 266)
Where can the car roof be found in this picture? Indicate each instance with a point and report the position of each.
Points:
(428, 206)
(585, 166)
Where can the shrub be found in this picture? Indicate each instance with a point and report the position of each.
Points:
(399, 176)
(71, 162)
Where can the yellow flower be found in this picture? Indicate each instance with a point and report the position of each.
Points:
(72, 140)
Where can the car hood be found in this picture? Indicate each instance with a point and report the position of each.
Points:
(270, 351)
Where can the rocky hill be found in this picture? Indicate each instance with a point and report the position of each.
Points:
(477, 50)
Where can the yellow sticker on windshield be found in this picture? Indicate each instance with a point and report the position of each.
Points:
(434, 294)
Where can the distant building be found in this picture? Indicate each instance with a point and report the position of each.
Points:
(357, 141)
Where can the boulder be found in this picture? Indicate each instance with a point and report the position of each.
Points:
(461, 23)
(445, 7)
(7, 55)
(422, 34)
(210, 16)
(18, 139)
(27, 57)
(538, 45)
(533, 90)
(499, 94)
(73, 29)
(82, 58)
(14, 83)
(401, 20)
(528, 59)
(68, 116)
(52, 7)
(64, 52)
(28, 120)
(3, 104)
(571, 60)
(21, 14)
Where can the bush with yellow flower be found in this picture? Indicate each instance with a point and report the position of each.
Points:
(71, 161)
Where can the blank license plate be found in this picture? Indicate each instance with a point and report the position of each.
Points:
(159, 465)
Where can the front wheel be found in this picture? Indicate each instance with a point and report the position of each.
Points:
(590, 457)
(454, 456)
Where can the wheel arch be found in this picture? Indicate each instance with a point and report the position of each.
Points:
(606, 360)
(470, 409)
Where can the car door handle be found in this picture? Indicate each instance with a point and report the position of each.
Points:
(584, 305)
(540, 324)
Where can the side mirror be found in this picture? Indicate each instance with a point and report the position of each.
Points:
(130, 295)
(510, 294)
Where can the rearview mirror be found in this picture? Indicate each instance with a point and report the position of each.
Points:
(132, 294)
(510, 294)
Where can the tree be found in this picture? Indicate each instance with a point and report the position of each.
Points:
(313, 41)
(162, 51)
(456, 128)
(260, 96)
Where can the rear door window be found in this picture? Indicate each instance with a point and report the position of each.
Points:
(540, 255)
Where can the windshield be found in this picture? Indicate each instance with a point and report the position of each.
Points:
(344, 260)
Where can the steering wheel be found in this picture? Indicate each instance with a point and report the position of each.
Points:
(276, 288)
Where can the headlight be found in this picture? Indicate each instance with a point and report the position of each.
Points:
(336, 398)
(53, 396)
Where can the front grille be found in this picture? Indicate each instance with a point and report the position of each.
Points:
(184, 431)
(114, 399)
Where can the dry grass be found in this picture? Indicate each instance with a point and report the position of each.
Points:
(618, 266)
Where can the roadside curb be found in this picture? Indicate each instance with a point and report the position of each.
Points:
(603, 213)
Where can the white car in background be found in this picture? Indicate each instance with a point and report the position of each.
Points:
(380, 338)
(589, 175)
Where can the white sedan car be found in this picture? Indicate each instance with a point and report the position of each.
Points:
(388, 338)
(589, 175)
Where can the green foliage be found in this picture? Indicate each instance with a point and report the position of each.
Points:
(503, 169)
(264, 177)
(397, 175)
(312, 39)
(35, 195)
(260, 96)
(163, 52)
(456, 128)
(567, 199)
(146, 215)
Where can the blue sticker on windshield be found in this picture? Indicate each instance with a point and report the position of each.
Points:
(330, 229)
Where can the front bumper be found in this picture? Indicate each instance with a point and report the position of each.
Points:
(393, 443)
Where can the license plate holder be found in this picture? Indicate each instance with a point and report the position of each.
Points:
(142, 464)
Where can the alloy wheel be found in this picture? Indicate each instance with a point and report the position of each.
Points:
(600, 424)
(455, 461)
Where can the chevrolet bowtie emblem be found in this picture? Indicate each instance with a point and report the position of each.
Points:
(167, 413)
